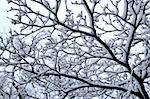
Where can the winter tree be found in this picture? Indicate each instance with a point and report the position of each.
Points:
(77, 49)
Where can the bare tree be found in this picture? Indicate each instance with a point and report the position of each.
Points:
(77, 49)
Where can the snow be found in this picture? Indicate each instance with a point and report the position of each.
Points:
(138, 7)
(139, 18)
(125, 9)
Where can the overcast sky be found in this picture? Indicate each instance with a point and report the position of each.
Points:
(4, 22)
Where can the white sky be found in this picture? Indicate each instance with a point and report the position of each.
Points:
(4, 22)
